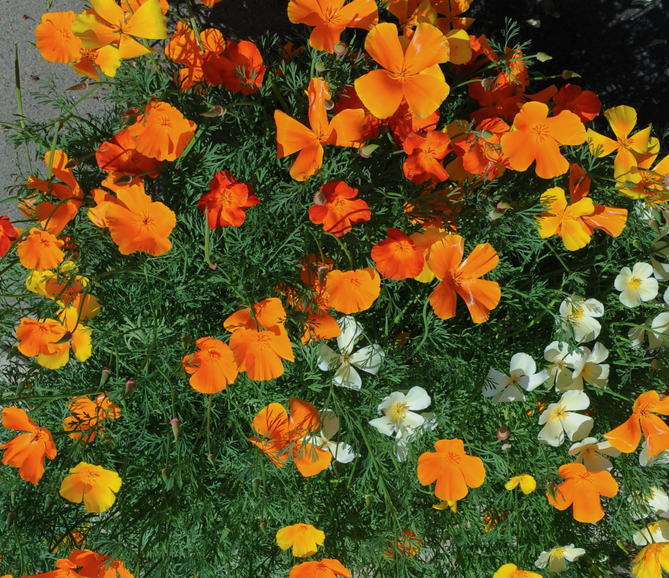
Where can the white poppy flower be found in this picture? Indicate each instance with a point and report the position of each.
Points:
(653, 533)
(660, 270)
(556, 559)
(368, 358)
(660, 327)
(341, 452)
(401, 450)
(559, 418)
(636, 285)
(656, 501)
(646, 460)
(637, 335)
(580, 316)
(587, 365)
(559, 371)
(588, 451)
(522, 372)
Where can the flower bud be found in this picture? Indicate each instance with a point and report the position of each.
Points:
(368, 503)
(212, 459)
(340, 48)
(130, 386)
(165, 473)
(263, 526)
(104, 376)
(506, 447)
(656, 364)
(255, 484)
(174, 422)
(319, 66)
(366, 151)
(328, 105)
(10, 519)
(320, 198)
(503, 433)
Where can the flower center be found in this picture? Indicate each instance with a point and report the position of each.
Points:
(634, 283)
(560, 413)
(576, 313)
(558, 553)
(398, 411)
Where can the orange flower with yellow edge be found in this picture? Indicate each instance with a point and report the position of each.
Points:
(651, 560)
(106, 23)
(325, 568)
(397, 257)
(137, 223)
(345, 130)
(212, 368)
(352, 291)
(410, 73)
(630, 148)
(162, 132)
(331, 17)
(304, 539)
(93, 485)
(227, 201)
(512, 571)
(626, 437)
(26, 451)
(89, 416)
(94, 565)
(278, 436)
(66, 288)
(575, 223)
(452, 469)
(460, 277)
(583, 489)
(336, 208)
(654, 183)
(535, 137)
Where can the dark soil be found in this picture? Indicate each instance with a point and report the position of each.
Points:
(621, 51)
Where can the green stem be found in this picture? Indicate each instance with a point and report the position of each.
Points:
(19, 101)
(54, 142)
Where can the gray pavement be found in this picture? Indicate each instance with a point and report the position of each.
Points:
(19, 20)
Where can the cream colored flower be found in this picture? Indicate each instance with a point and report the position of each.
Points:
(587, 453)
(556, 559)
(587, 365)
(653, 533)
(522, 373)
(636, 285)
(580, 315)
(559, 419)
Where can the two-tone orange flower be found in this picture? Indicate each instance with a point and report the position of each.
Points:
(626, 437)
(330, 18)
(212, 368)
(535, 137)
(411, 72)
(227, 201)
(336, 208)
(120, 156)
(278, 436)
(425, 155)
(345, 129)
(583, 489)
(91, 484)
(460, 277)
(575, 223)
(452, 469)
(325, 568)
(26, 451)
(89, 416)
(397, 257)
(40, 250)
(94, 565)
(161, 132)
(352, 291)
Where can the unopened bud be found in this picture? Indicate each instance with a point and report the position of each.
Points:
(567, 74)
(506, 447)
(123, 180)
(83, 85)
(320, 198)
(174, 422)
(340, 48)
(319, 66)
(543, 57)
(366, 151)
(213, 266)
(255, 484)
(212, 459)
(214, 111)
(186, 340)
(71, 163)
(486, 134)
(10, 519)
(130, 386)
(503, 433)
(328, 105)
(322, 273)
(368, 503)
(104, 376)
(165, 473)
(12, 498)
(66, 338)
(263, 526)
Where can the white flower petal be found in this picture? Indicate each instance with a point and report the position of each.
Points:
(531, 382)
(587, 329)
(552, 433)
(593, 307)
(575, 400)
(555, 351)
(630, 298)
(341, 452)
(607, 449)
(594, 462)
(571, 553)
(412, 421)
(346, 376)
(384, 424)
(350, 331)
(329, 422)
(511, 393)
(523, 362)
(623, 279)
(326, 357)
(579, 446)
(642, 271)
(542, 560)
(368, 358)
(577, 426)
(648, 289)
(557, 564)
(417, 398)
(390, 400)
(599, 353)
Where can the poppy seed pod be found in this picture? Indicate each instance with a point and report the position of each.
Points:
(340, 48)
(130, 386)
(503, 433)
(174, 422)
(104, 376)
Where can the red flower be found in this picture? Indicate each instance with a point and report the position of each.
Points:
(338, 212)
(227, 201)
(8, 234)
(425, 152)
(239, 67)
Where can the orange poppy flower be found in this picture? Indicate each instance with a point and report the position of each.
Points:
(651, 560)
(630, 147)
(412, 73)
(512, 571)
(353, 291)
(239, 67)
(320, 326)
(304, 539)
(480, 149)
(575, 223)
(40, 250)
(227, 201)
(397, 257)
(267, 314)
(424, 242)
(213, 368)
(89, 416)
(582, 489)
(64, 569)
(8, 235)
(330, 18)
(626, 437)
(105, 59)
(349, 99)
(345, 130)
(462, 278)
(277, 433)
(583, 103)
(106, 23)
(652, 185)
(336, 210)
(325, 568)
(404, 122)
(55, 216)
(136, 223)
(94, 565)
(452, 469)
(27, 450)
(121, 156)
(425, 152)
(162, 132)
(259, 353)
(55, 39)
(91, 484)
(534, 136)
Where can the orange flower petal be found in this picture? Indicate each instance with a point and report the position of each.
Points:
(379, 92)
